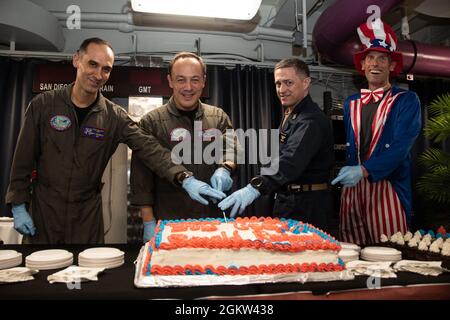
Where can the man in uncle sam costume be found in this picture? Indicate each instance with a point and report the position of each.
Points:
(381, 123)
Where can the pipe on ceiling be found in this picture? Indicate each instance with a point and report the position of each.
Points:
(335, 38)
(124, 23)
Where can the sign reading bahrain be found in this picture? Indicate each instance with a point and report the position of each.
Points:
(124, 81)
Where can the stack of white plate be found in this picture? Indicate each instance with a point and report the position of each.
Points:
(10, 259)
(348, 255)
(101, 258)
(381, 254)
(350, 246)
(49, 259)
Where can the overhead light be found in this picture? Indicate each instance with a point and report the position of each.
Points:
(225, 9)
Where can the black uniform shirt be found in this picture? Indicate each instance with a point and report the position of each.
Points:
(83, 112)
(367, 114)
(191, 114)
(306, 148)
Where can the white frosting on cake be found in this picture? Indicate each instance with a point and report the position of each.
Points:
(242, 257)
(396, 236)
(228, 228)
(435, 247)
(418, 235)
(400, 241)
(439, 242)
(408, 236)
(446, 249)
(384, 238)
(423, 246)
(413, 242)
(180, 246)
(229, 257)
(427, 240)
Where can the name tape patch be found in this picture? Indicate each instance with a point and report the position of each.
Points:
(94, 133)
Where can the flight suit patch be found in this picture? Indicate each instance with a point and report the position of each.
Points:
(60, 122)
(91, 132)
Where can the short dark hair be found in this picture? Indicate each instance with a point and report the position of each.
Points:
(300, 66)
(87, 42)
(184, 55)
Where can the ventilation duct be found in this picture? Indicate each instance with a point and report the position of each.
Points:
(335, 38)
(27, 26)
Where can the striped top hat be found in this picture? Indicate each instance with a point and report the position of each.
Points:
(378, 36)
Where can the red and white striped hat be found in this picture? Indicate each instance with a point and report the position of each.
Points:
(378, 36)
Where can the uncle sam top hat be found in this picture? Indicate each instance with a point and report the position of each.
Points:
(378, 36)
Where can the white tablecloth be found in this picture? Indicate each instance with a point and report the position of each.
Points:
(7, 232)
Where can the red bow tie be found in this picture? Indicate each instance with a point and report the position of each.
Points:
(367, 95)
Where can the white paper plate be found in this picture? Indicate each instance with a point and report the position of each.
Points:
(380, 251)
(11, 263)
(108, 260)
(48, 263)
(101, 253)
(51, 255)
(18, 257)
(350, 246)
(111, 260)
(9, 254)
(101, 265)
(392, 259)
(49, 266)
(348, 255)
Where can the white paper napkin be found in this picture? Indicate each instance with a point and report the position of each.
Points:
(369, 268)
(75, 274)
(18, 274)
(426, 268)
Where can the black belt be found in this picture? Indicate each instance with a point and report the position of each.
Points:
(296, 188)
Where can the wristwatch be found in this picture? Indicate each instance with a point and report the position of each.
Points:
(257, 183)
(227, 167)
(180, 177)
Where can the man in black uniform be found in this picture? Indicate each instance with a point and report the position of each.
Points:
(306, 155)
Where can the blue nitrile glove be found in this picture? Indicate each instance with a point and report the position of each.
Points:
(221, 180)
(196, 189)
(149, 229)
(239, 199)
(22, 220)
(349, 176)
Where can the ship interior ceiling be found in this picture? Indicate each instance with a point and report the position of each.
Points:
(238, 53)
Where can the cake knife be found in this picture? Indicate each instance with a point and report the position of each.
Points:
(225, 216)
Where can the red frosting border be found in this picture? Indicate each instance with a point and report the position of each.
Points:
(297, 243)
(265, 240)
(252, 270)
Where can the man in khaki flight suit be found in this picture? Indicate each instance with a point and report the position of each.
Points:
(68, 136)
(174, 122)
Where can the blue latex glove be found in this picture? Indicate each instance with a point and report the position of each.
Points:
(349, 176)
(22, 220)
(149, 230)
(196, 189)
(221, 180)
(239, 199)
